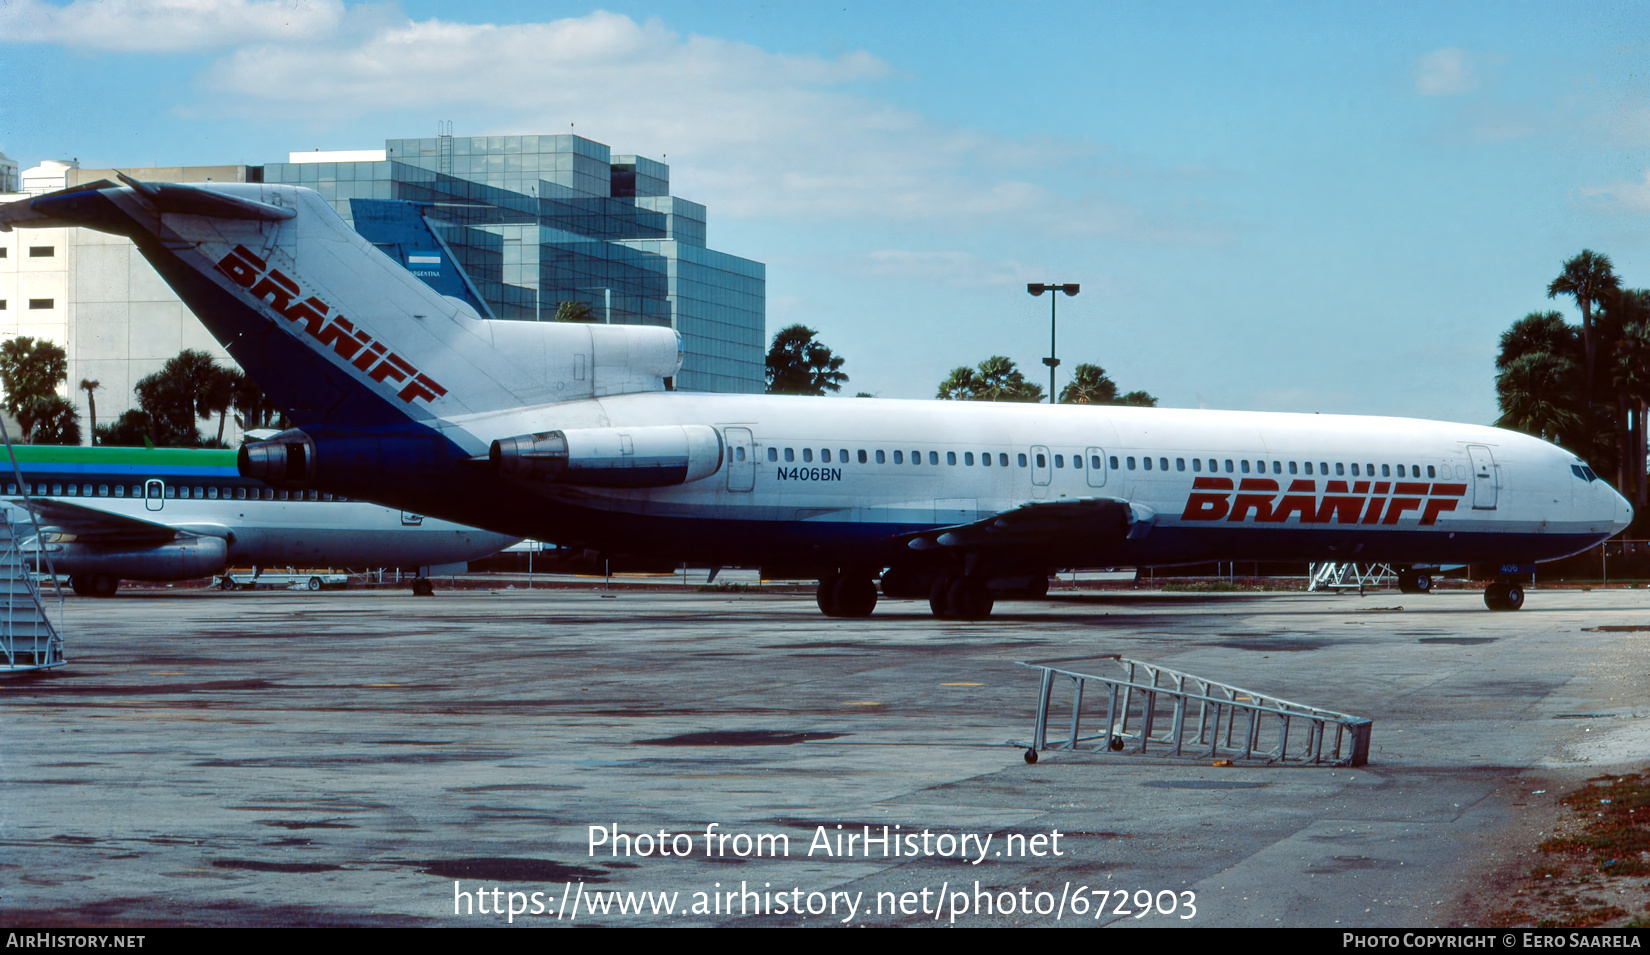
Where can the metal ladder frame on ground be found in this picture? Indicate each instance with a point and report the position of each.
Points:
(1350, 576)
(23, 601)
(1196, 732)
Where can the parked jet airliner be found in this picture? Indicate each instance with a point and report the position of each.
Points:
(176, 514)
(570, 432)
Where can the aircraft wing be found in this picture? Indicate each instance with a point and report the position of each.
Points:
(1052, 524)
(93, 526)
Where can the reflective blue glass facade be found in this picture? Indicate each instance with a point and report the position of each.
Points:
(519, 224)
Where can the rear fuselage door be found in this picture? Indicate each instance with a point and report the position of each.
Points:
(1483, 477)
(154, 494)
(1041, 466)
(741, 462)
(1096, 467)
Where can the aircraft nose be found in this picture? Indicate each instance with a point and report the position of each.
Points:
(1624, 511)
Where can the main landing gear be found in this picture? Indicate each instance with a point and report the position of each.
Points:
(1414, 582)
(850, 594)
(94, 585)
(1504, 595)
(960, 598)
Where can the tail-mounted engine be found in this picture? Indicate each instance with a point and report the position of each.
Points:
(285, 460)
(655, 456)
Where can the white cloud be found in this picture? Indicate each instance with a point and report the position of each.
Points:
(1446, 72)
(752, 133)
(1619, 196)
(167, 26)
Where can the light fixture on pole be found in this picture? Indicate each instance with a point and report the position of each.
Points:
(1038, 288)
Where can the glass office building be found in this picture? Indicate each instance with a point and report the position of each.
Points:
(518, 225)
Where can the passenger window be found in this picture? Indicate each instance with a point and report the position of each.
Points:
(74, 491)
(1002, 459)
(1094, 461)
(968, 458)
(807, 455)
(212, 493)
(1197, 464)
(1400, 470)
(862, 456)
(57, 490)
(120, 490)
(1308, 468)
(739, 453)
(1229, 466)
(842, 455)
(790, 455)
(1042, 461)
(825, 455)
(1022, 459)
(1130, 460)
(1338, 469)
(1323, 467)
(1162, 464)
(1292, 468)
(1180, 464)
(985, 459)
(899, 457)
(171, 491)
(916, 457)
(1432, 472)
(1114, 462)
(1386, 470)
(1369, 469)
(883, 458)
(1077, 461)
(773, 454)
(951, 458)
(1059, 460)
(1245, 464)
(933, 457)
(1147, 463)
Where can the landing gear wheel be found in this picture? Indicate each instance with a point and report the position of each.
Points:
(825, 596)
(938, 601)
(1414, 582)
(967, 598)
(854, 596)
(1031, 757)
(1504, 595)
(423, 588)
(227, 583)
(314, 583)
(1423, 583)
(94, 585)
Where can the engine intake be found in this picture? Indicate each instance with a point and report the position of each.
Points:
(653, 456)
(285, 460)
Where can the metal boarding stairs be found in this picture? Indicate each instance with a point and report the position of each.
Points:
(1350, 576)
(1151, 709)
(30, 621)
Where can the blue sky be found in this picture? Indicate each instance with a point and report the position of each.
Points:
(1306, 207)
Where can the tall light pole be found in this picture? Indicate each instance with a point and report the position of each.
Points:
(1038, 288)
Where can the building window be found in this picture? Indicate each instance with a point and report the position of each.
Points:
(3, 252)
(40, 303)
(2, 304)
(42, 251)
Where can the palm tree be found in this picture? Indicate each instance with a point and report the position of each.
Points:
(1534, 392)
(574, 312)
(1090, 385)
(799, 364)
(88, 386)
(1587, 278)
(995, 379)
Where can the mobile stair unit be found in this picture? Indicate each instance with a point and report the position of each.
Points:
(30, 637)
(1153, 710)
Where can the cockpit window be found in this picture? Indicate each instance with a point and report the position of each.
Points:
(1584, 472)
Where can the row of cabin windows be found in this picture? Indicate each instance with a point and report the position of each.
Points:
(1276, 467)
(36, 252)
(882, 457)
(173, 491)
(1130, 462)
